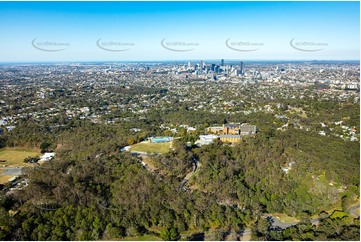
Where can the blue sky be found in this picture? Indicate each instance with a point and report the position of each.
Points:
(330, 28)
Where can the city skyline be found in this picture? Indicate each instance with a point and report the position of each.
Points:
(179, 31)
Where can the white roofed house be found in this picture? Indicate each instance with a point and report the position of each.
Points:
(206, 139)
(46, 157)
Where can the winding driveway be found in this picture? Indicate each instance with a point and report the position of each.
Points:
(190, 174)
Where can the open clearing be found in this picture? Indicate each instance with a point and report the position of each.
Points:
(285, 219)
(15, 156)
(151, 147)
(14, 161)
(4, 179)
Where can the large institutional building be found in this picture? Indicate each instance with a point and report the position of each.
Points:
(233, 132)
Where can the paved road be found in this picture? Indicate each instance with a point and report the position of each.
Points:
(190, 174)
(9, 171)
(140, 153)
(277, 223)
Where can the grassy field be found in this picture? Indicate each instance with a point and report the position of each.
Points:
(15, 156)
(151, 147)
(285, 219)
(4, 179)
(142, 238)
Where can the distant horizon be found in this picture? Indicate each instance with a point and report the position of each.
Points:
(184, 60)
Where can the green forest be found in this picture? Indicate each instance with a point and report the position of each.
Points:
(92, 191)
